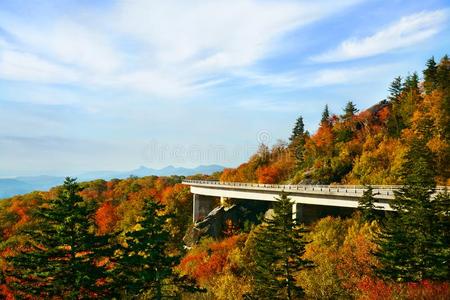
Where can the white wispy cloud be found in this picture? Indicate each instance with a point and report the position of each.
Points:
(409, 30)
(335, 76)
(321, 77)
(278, 80)
(17, 65)
(163, 48)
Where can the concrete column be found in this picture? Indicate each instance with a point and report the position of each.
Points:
(297, 212)
(195, 207)
(202, 206)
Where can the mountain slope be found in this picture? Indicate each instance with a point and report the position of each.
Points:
(366, 147)
(10, 187)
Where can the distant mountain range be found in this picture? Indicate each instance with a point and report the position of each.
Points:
(144, 171)
(25, 184)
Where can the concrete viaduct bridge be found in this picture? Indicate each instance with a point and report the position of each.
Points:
(310, 201)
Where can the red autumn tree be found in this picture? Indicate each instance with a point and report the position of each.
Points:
(106, 217)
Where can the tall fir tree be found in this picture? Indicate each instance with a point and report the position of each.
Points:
(279, 246)
(143, 265)
(298, 130)
(413, 244)
(395, 89)
(443, 73)
(298, 140)
(430, 75)
(443, 83)
(63, 252)
(395, 122)
(366, 205)
(349, 110)
(325, 115)
(441, 206)
(411, 82)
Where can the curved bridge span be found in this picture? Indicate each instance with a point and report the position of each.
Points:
(304, 196)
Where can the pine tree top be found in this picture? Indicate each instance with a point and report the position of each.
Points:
(349, 110)
(325, 115)
(298, 130)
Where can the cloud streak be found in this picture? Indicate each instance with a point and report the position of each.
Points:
(22, 66)
(164, 49)
(336, 76)
(406, 32)
(318, 78)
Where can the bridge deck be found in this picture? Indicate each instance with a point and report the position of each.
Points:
(383, 192)
(329, 195)
(379, 191)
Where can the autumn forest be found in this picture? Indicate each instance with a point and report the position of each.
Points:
(123, 238)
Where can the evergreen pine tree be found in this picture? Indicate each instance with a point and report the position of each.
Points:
(279, 245)
(298, 139)
(395, 122)
(349, 110)
(414, 241)
(325, 116)
(443, 73)
(441, 206)
(366, 205)
(411, 82)
(62, 255)
(443, 83)
(430, 75)
(298, 130)
(395, 89)
(143, 266)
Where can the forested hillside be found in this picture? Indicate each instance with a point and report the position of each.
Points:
(123, 238)
(364, 147)
(113, 208)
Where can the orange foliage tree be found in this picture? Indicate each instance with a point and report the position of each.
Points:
(342, 253)
(106, 218)
(209, 258)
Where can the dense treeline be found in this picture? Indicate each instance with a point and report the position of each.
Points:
(366, 147)
(81, 241)
(123, 238)
(118, 203)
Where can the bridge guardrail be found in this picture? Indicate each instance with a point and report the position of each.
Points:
(387, 190)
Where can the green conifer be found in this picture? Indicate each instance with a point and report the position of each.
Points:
(430, 75)
(298, 130)
(63, 252)
(395, 122)
(349, 110)
(366, 205)
(395, 89)
(298, 139)
(411, 82)
(325, 116)
(414, 241)
(443, 83)
(279, 245)
(143, 265)
(443, 73)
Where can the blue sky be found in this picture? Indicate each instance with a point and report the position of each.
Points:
(112, 85)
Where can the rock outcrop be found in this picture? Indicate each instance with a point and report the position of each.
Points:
(216, 222)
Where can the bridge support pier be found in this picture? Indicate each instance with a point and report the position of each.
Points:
(297, 212)
(202, 206)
